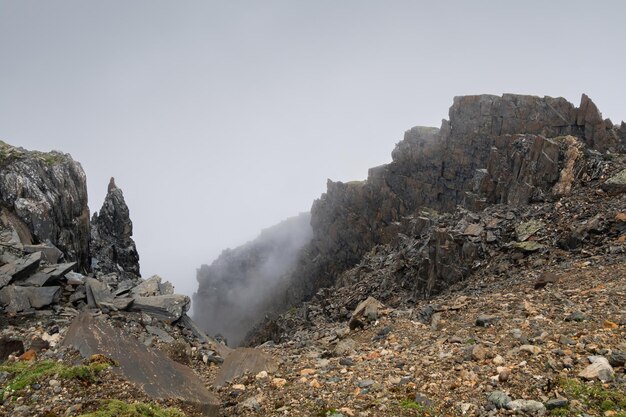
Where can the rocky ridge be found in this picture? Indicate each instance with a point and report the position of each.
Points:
(512, 149)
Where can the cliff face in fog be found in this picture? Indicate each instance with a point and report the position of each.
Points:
(511, 149)
(242, 284)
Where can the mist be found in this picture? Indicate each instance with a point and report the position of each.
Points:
(242, 281)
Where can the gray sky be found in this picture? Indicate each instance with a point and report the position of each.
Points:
(221, 118)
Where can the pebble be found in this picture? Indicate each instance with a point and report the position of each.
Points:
(556, 403)
(527, 406)
(261, 375)
(499, 399)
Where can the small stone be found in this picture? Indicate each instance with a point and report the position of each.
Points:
(365, 383)
(239, 387)
(346, 362)
(315, 383)
(279, 382)
(29, 355)
(556, 403)
(617, 358)
(261, 375)
(535, 350)
(607, 324)
(498, 360)
(503, 374)
(485, 320)
(499, 399)
(307, 371)
(479, 352)
(599, 369)
(577, 316)
(527, 406)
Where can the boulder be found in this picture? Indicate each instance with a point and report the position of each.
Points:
(16, 298)
(49, 253)
(616, 184)
(152, 286)
(160, 377)
(168, 308)
(98, 293)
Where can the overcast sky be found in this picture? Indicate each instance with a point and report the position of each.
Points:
(218, 119)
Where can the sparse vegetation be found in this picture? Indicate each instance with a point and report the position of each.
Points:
(24, 374)
(420, 408)
(597, 397)
(115, 408)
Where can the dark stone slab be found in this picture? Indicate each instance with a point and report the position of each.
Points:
(168, 308)
(160, 377)
(20, 269)
(48, 275)
(98, 293)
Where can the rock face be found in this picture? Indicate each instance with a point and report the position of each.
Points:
(511, 149)
(112, 246)
(236, 290)
(44, 199)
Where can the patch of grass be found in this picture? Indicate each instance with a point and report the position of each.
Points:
(24, 374)
(115, 408)
(420, 408)
(561, 412)
(597, 396)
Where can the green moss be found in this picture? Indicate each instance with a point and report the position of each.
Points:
(561, 412)
(27, 373)
(115, 408)
(24, 374)
(420, 408)
(596, 396)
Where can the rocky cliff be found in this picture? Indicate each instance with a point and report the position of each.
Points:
(511, 149)
(43, 197)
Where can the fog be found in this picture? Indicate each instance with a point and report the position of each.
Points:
(219, 119)
(242, 282)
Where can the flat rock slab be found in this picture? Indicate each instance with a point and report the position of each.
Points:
(20, 269)
(16, 298)
(244, 360)
(159, 376)
(168, 308)
(48, 275)
(98, 293)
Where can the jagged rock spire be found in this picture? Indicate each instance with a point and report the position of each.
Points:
(112, 246)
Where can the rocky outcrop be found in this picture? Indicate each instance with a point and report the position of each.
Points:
(243, 283)
(43, 199)
(112, 246)
(511, 149)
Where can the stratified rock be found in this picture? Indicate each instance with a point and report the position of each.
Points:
(160, 377)
(49, 253)
(168, 308)
(47, 192)
(244, 360)
(98, 293)
(48, 275)
(151, 287)
(112, 246)
(16, 299)
(19, 269)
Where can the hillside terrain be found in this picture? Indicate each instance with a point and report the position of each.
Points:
(481, 273)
